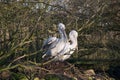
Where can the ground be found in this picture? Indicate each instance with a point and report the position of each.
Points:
(56, 71)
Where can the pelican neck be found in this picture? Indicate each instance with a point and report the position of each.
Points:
(74, 43)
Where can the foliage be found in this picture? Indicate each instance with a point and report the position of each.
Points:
(23, 27)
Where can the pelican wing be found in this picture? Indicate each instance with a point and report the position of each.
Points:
(47, 43)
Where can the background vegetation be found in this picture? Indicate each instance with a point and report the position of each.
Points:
(24, 24)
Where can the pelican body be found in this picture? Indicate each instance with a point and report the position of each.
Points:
(55, 45)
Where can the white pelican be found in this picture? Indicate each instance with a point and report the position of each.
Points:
(69, 48)
(55, 45)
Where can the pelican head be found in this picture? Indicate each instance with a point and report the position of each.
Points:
(61, 26)
(73, 34)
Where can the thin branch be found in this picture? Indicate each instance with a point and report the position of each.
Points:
(7, 68)
(41, 64)
(23, 56)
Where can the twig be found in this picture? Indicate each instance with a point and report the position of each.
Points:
(71, 66)
(7, 68)
(58, 6)
(34, 63)
(41, 64)
(48, 61)
(23, 56)
(46, 70)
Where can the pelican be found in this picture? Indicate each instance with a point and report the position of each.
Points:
(69, 48)
(55, 45)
